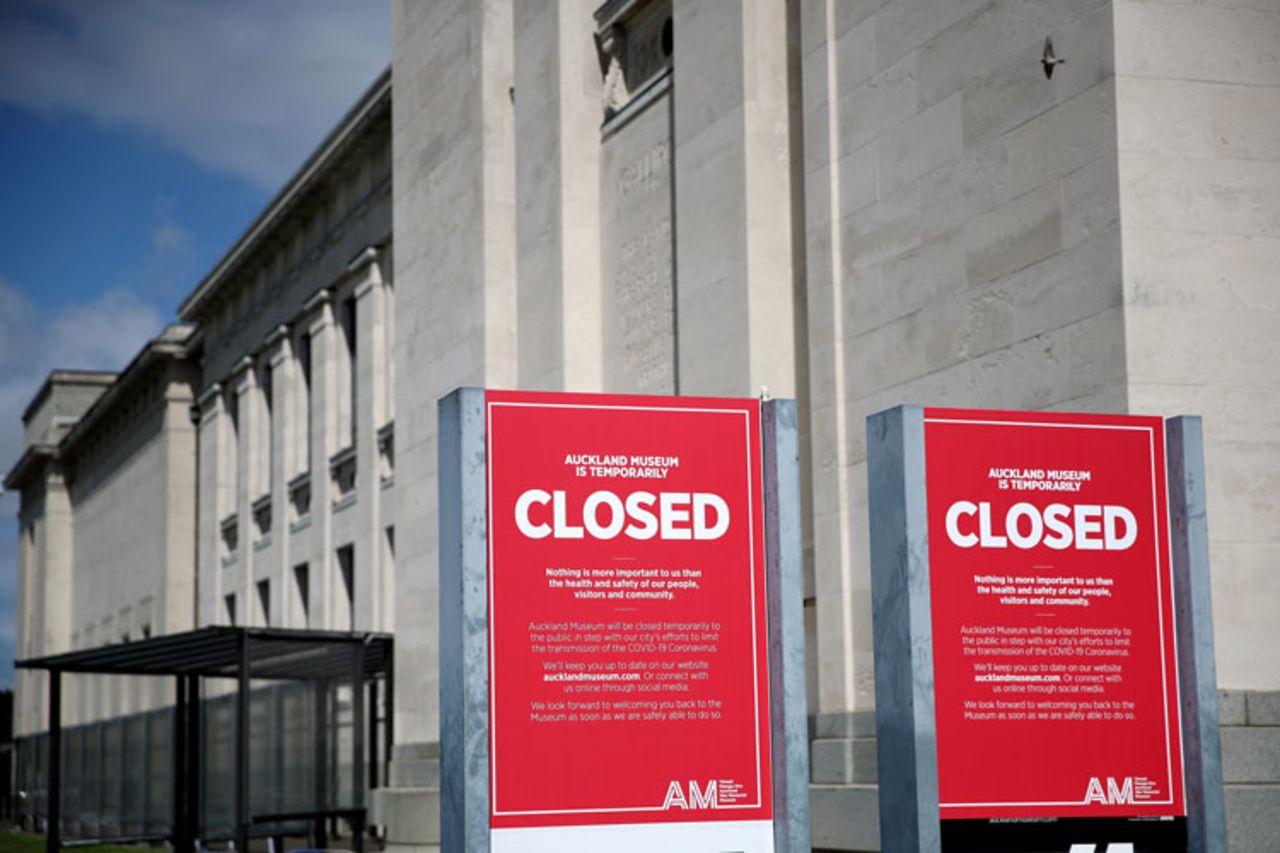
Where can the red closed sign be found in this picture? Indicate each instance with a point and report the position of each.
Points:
(627, 635)
(1052, 613)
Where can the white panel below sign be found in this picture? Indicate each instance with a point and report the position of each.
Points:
(720, 836)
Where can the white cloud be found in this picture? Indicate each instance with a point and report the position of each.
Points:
(102, 335)
(8, 595)
(241, 86)
(168, 237)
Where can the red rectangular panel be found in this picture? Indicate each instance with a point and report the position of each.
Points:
(1053, 632)
(627, 635)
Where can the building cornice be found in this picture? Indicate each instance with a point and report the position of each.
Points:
(29, 466)
(66, 377)
(211, 394)
(171, 345)
(376, 100)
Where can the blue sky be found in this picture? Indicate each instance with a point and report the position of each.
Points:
(138, 138)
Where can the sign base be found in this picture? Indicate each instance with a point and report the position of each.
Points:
(739, 836)
(1143, 835)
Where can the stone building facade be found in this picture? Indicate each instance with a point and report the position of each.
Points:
(107, 531)
(296, 460)
(857, 204)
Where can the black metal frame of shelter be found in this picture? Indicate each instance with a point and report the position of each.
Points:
(243, 654)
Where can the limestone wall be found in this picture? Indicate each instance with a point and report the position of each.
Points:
(961, 246)
(1198, 92)
(347, 209)
(455, 220)
(132, 492)
(297, 434)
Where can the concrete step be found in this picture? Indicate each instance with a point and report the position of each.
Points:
(415, 765)
(1251, 754)
(415, 751)
(1263, 707)
(844, 761)
(844, 724)
(845, 817)
(1249, 708)
(411, 815)
(1253, 818)
(424, 773)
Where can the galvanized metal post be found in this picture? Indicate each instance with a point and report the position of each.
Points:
(180, 713)
(194, 740)
(372, 741)
(357, 724)
(389, 702)
(357, 743)
(321, 762)
(1193, 605)
(242, 749)
(464, 638)
(53, 790)
(905, 725)
(784, 569)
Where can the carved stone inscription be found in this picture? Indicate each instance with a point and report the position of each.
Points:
(639, 327)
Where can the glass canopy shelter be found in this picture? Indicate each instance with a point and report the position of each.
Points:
(328, 661)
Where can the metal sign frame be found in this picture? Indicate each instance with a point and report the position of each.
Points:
(900, 587)
(464, 654)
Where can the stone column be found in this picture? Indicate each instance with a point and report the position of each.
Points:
(238, 578)
(453, 146)
(55, 570)
(318, 320)
(453, 150)
(283, 365)
(371, 387)
(24, 721)
(557, 115)
(843, 755)
(735, 302)
(832, 518)
(208, 497)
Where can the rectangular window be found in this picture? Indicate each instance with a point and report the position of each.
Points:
(347, 608)
(230, 602)
(387, 577)
(303, 438)
(266, 458)
(232, 469)
(388, 356)
(302, 581)
(347, 322)
(264, 602)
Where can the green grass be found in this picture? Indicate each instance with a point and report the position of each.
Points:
(26, 842)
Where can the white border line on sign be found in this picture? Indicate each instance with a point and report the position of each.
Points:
(1164, 669)
(490, 405)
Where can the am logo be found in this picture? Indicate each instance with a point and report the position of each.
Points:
(1116, 793)
(695, 797)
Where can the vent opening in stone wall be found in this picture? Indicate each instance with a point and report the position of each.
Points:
(346, 608)
(231, 461)
(301, 582)
(351, 372)
(266, 448)
(302, 437)
(264, 603)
